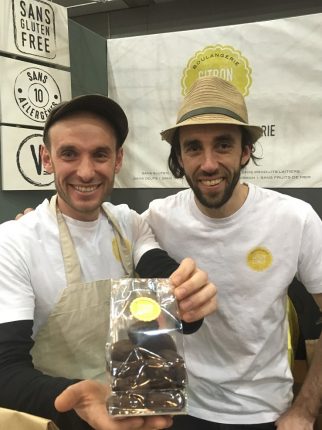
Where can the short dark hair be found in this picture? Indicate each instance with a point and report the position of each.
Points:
(175, 152)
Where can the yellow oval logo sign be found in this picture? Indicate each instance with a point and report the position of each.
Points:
(221, 61)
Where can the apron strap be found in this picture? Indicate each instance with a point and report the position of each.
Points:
(70, 257)
(123, 245)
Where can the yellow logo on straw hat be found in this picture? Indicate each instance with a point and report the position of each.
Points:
(145, 309)
(259, 259)
(221, 61)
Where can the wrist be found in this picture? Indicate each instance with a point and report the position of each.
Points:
(305, 409)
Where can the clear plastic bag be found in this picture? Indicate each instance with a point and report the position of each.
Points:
(147, 373)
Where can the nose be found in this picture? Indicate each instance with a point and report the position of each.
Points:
(209, 162)
(86, 169)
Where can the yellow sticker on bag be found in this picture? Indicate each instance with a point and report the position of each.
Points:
(145, 309)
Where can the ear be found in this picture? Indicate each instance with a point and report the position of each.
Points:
(118, 160)
(245, 155)
(46, 159)
(180, 160)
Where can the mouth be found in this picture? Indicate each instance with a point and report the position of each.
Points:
(85, 188)
(211, 182)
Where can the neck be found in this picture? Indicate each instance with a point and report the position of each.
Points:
(235, 202)
(78, 215)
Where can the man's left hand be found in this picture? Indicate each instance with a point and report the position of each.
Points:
(195, 294)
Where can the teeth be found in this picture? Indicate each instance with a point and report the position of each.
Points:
(83, 189)
(211, 182)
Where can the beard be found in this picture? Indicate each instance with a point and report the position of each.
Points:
(215, 200)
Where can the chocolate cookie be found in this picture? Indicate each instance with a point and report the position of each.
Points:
(159, 343)
(175, 362)
(140, 331)
(126, 402)
(165, 401)
(159, 373)
(121, 350)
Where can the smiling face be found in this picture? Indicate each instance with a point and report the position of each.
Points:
(212, 157)
(84, 158)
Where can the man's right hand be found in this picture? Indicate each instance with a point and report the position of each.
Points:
(25, 211)
(89, 399)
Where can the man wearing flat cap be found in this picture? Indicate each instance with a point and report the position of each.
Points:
(55, 266)
(252, 242)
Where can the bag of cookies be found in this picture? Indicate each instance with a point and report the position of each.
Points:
(147, 373)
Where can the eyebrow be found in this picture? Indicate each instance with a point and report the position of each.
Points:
(71, 146)
(190, 141)
(223, 136)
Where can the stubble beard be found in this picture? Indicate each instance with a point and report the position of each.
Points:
(217, 201)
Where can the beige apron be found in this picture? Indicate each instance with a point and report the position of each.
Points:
(72, 341)
(15, 420)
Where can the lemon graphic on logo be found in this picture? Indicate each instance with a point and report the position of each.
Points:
(259, 259)
(222, 61)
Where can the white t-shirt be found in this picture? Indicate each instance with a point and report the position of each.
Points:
(237, 362)
(31, 265)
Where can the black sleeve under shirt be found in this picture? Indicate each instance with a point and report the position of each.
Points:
(22, 386)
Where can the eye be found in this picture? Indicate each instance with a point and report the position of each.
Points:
(191, 147)
(68, 154)
(101, 155)
(224, 145)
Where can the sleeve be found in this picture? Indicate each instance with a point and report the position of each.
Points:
(156, 263)
(310, 256)
(143, 237)
(17, 296)
(22, 386)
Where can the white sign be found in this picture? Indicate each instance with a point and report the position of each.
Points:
(21, 162)
(35, 28)
(277, 65)
(29, 91)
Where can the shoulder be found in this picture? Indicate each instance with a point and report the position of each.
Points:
(125, 216)
(179, 199)
(283, 204)
(286, 211)
(120, 212)
(30, 226)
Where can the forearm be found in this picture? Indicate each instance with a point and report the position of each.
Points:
(156, 263)
(24, 388)
(309, 399)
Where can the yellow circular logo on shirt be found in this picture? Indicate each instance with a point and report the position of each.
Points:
(259, 259)
(116, 251)
(145, 309)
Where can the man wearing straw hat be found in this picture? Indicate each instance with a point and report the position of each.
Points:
(252, 241)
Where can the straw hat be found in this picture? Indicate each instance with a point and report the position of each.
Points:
(212, 100)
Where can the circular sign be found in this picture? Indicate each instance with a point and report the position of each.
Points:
(29, 162)
(222, 61)
(36, 93)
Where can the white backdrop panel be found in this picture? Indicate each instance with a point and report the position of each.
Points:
(276, 64)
